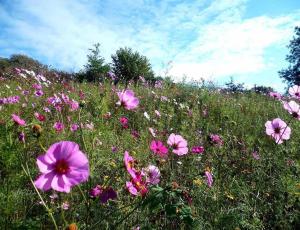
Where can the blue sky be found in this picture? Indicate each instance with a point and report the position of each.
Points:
(245, 39)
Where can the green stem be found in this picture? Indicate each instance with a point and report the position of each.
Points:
(40, 196)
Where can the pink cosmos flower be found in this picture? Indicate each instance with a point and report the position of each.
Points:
(216, 139)
(127, 99)
(178, 143)
(39, 116)
(158, 148)
(157, 113)
(152, 174)
(96, 191)
(62, 167)
(295, 91)
(74, 127)
(198, 149)
(209, 178)
(278, 130)
(275, 95)
(293, 108)
(136, 185)
(129, 164)
(18, 120)
(65, 205)
(38, 93)
(58, 126)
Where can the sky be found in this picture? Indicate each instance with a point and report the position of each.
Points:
(209, 39)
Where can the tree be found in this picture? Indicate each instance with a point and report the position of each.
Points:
(128, 65)
(95, 69)
(234, 87)
(291, 75)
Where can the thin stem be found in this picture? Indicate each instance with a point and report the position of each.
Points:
(40, 196)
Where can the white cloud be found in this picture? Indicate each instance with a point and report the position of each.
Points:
(202, 38)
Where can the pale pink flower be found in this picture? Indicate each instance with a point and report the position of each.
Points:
(295, 91)
(293, 108)
(152, 174)
(178, 143)
(275, 95)
(278, 130)
(74, 127)
(157, 113)
(152, 131)
(127, 99)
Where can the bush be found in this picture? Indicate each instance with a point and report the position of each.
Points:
(128, 65)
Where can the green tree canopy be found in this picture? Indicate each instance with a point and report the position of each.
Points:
(129, 65)
(291, 75)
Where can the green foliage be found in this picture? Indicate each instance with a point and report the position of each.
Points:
(292, 74)
(21, 61)
(95, 69)
(129, 65)
(233, 87)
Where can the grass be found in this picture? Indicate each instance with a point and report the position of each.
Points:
(246, 193)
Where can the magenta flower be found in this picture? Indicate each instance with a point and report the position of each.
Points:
(74, 127)
(216, 139)
(129, 164)
(178, 143)
(18, 120)
(96, 191)
(278, 130)
(152, 174)
(127, 99)
(198, 149)
(39, 116)
(124, 122)
(62, 167)
(293, 108)
(295, 91)
(158, 148)
(58, 126)
(209, 178)
(38, 93)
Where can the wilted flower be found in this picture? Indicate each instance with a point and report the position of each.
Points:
(255, 155)
(178, 143)
(135, 134)
(157, 113)
(21, 137)
(146, 115)
(62, 167)
(278, 130)
(127, 99)
(158, 148)
(114, 149)
(65, 205)
(151, 130)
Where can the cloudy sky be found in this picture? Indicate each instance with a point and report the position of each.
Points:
(245, 39)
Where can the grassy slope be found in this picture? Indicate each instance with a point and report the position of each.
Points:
(246, 193)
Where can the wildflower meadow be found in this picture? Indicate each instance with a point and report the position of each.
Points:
(145, 156)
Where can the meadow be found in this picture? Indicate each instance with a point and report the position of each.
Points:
(168, 156)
